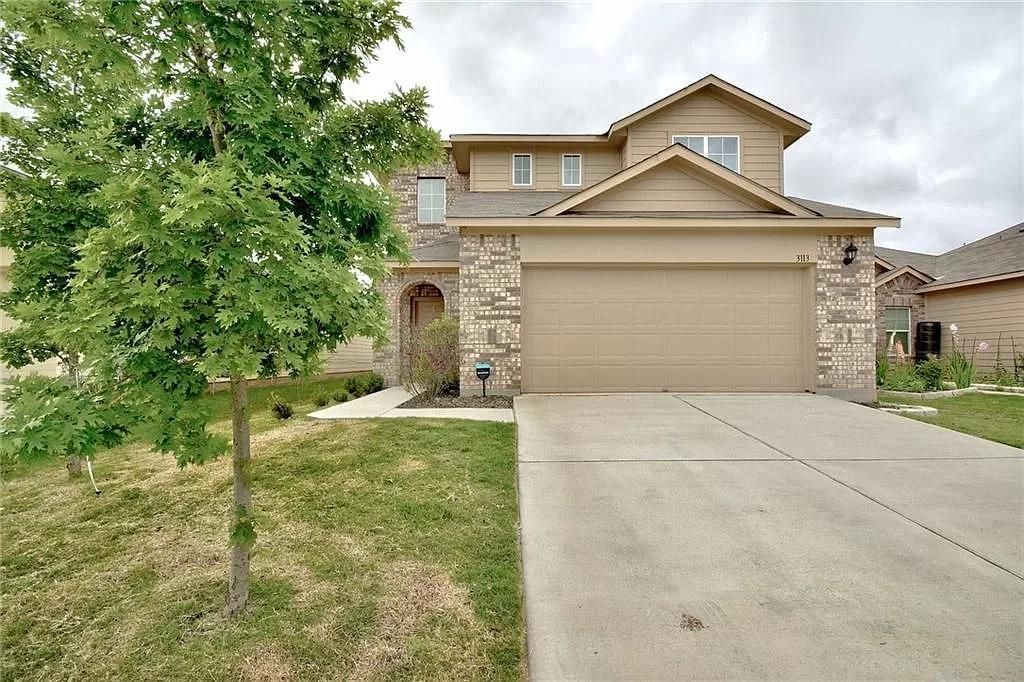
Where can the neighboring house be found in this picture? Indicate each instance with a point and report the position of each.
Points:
(979, 287)
(659, 255)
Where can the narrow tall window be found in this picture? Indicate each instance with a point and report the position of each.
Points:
(522, 170)
(722, 149)
(897, 329)
(430, 200)
(572, 170)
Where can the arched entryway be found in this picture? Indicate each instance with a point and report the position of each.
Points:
(420, 304)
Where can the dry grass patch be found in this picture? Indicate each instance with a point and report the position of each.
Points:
(386, 549)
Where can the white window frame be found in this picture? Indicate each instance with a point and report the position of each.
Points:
(512, 161)
(419, 200)
(706, 136)
(579, 155)
(890, 334)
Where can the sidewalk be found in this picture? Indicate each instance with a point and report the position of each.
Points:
(385, 404)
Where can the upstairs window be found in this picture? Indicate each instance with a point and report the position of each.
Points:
(897, 329)
(572, 170)
(522, 170)
(723, 149)
(430, 200)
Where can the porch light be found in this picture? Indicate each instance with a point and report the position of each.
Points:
(851, 254)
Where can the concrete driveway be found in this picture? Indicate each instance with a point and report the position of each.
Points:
(772, 536)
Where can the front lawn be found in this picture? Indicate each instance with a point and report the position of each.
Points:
(387, 549)
(995, 417)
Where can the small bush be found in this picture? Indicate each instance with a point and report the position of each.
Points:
(340, 396)
(279, 408)
(930, 372)
(321, 400)
(434, 357)
(374, 382)
(903, 377)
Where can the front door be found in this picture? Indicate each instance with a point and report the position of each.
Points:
(425, 310)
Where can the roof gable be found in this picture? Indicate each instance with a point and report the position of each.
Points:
(793, 126)
(678, 179)
(899, 272)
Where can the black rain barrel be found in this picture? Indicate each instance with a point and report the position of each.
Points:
(927, 340)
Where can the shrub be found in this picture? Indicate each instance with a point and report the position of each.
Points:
(903, 377)
(434, 357)
(340, 396)
(881, 368)
(930, 373)
(374, 382)
(280, 408)
(321, 400)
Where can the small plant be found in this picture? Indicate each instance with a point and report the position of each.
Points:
(930, 373)
(374, 382)
(340, 396)
(881, 368)
(960, 367)
(903, 377)
(321, 400)
(280, 408)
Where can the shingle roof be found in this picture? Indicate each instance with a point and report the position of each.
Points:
(996, 254)
(509, 204)
(837, 211)
(520, 204)
(445, 249)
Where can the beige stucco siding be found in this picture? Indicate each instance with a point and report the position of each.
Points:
(666, 188)
(491, 166)
(982, 312)
(702, 114)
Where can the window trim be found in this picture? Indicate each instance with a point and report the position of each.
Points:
(562, 170)
(890, 344)
(512, 162)
(444, 200)
(739, 146)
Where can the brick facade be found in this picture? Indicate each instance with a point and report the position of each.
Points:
(844, 309)
(897, 293)
(489, 319)
(398, 290)
(404, 185)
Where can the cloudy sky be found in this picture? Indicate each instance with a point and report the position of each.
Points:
(918, 110)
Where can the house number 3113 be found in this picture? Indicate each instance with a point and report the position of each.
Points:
(803, 258)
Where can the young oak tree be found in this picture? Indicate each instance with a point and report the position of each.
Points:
(240, 233)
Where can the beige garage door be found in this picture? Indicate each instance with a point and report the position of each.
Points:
(596, 329)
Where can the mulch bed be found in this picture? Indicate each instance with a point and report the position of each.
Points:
(495, 401)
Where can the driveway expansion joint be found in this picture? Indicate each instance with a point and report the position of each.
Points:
(854, 489)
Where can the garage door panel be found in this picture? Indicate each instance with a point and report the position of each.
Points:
(653, 328)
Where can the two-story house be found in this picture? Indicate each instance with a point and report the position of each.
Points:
(659, 255)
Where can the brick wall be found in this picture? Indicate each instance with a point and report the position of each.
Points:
(388, 361)
(489, 317)
(897, 293)
(844, 308)
(404, 187)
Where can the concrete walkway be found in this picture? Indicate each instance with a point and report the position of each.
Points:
(754, 537)
(385, 404)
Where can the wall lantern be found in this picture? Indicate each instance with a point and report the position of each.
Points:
(483, 370)
(851, 254)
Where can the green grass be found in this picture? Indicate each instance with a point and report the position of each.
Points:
(387, 550)
(995, 417)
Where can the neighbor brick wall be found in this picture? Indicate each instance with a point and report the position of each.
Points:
(396, 290)
(844, 308)
(897, 293)
(489, 316)
(403, 185)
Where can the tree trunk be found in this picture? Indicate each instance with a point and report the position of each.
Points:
(242, 530)
(74, 465)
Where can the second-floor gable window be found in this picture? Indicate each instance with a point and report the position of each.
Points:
(522, 170)
(430, 200)
(723, 149)
(572, 170)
